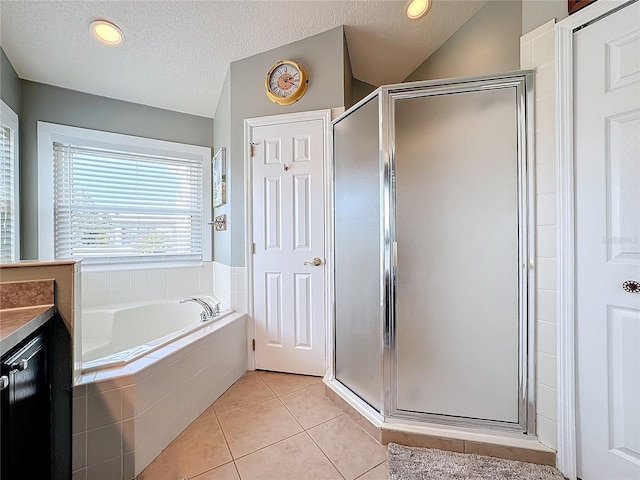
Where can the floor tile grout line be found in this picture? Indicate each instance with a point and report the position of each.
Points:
(372, 468)
(267, 446)
(244, 406)
(325, 455)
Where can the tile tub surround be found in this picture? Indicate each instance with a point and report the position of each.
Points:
(123, 418)
(142, 284)
(272, 425)
(229, 285)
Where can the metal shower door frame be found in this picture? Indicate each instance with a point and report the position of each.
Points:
(522, 82)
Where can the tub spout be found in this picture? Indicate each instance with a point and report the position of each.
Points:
(208, 313)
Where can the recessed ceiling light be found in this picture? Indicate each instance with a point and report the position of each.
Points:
(418, 8)
(106, 32)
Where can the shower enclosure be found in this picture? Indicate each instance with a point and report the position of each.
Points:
(433, 241)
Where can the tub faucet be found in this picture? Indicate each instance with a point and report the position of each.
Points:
(208, 313)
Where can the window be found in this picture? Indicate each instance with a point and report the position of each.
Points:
(9, 199)
(121, 200)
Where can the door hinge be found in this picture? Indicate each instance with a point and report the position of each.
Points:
(252, 146)
(253, 248)
(253, 344)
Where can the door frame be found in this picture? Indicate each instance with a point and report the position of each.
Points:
(249, 124)
(565, 209)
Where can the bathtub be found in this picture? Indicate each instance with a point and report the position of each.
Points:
(148, 370)
(117, 335)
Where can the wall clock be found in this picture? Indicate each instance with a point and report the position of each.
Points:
(286, 82)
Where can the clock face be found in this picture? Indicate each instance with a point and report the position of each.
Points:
(286, 82)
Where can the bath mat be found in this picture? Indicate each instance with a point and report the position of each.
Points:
(414, 463)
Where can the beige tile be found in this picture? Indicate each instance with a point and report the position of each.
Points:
(352, 450)
(294, 458)
(511, 453)
(381, 472)
(198, 449)
(208, 414)
(225, 472)
(257, 426)
(283, 383)
(310, 406)
(249, 390)
(370, 428)
(425, 441)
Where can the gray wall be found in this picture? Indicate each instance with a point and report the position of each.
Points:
(323, 57)
(222, 138)
(538, 12)
(47, 103)
(488, 43)
(360, 89)
(9, 84)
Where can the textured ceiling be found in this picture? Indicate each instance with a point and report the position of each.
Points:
(176, 53)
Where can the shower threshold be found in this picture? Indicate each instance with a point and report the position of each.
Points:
(508, 445)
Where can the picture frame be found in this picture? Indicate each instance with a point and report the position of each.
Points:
(219, 178)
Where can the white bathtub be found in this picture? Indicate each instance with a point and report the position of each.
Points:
(149, 370)
(117, 335)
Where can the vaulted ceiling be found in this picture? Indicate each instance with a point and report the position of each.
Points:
(176, 53)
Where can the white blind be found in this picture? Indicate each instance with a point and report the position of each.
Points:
(8, 219)
(115, 207)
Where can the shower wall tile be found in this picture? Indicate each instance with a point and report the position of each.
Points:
(546, 305)
(547, 429)
(546, 241)
(546, 338)
(546, 148)
(537, 52)
(546, 399)
(546, 177)
(546, 369)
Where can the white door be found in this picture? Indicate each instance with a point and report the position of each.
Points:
(288, 233)
(607, 165)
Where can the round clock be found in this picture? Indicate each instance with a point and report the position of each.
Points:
(286, 82)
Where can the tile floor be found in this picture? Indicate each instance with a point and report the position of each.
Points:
(276, 426)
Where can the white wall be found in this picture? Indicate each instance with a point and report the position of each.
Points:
(538, 53)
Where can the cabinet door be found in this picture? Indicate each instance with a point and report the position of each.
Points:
(26, 441)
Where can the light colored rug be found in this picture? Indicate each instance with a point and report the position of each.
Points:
(414, 463)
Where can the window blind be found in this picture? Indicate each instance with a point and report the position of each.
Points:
(114, 207)
(8, 218)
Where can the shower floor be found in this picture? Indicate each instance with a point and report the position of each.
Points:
(272, 425)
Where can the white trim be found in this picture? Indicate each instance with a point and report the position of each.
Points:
(50, 132)
(249, 124)
(566, 400)
(10, 118)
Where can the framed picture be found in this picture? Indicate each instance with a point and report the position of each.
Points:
(219, 178)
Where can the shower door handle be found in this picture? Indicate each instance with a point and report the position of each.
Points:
(316, 262)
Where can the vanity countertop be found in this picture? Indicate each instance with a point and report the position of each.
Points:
(24, 307)
(16, 324)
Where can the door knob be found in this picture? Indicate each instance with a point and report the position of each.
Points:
(316, 262)
(631, 286)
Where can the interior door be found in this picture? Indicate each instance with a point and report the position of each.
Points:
(288, 235)
(607, 165)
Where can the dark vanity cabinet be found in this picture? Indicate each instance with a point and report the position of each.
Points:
(25, 410)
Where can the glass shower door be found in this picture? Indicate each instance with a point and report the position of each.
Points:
(459, 284)
(357, 248)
